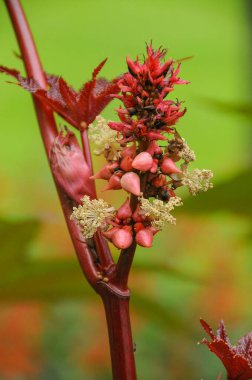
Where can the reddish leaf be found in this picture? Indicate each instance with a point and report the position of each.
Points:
(78, 108)
(236, 359)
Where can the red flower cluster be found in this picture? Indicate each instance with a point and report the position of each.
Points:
(135, 160)
(140, 166)
(236, 359)
(146, 114)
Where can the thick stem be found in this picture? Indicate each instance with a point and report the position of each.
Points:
(48, 128)
(120, 337)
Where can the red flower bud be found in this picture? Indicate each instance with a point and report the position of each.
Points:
(154, 148)
(126, 163)
(138, 226)
(169, 167)
(124, 211)
(155, 136)
(122, 239)
(109, 234)
(137, 216)
(143, 162)
(114, 183)
(104, 173)
(144, 238)
(159, 181)
(131, 183)
(129, 151)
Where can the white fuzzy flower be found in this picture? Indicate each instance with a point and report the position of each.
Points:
(197, 180)
(158, 211)
(91, 215)
(104, 138)
(187, 154)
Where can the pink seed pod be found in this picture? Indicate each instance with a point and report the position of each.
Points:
(124, 211)
(154, 166)
(109, 234)
(114, 183)
(131, 183)
(144, 238)
(126, 163)
(129, 151)
(169, 167)
(104, 173)
(143, 162)
(137, 216)
(122, 239)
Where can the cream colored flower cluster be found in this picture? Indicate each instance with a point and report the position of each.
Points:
(160, 212)
(91, 215)
(197, 180)
(104, 138)
(187, 154)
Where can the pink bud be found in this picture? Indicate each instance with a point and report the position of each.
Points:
(143, 161)
(168, 166)
(108, 234)
(114, 183)
(129, 151)
(131, 183)
(144, 238)
(137, 216)
(122, 239)
(154, 148)
(151, 148)
(124, 211)
(126, 163)
(104, 173)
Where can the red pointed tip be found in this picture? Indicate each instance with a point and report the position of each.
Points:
(98, 68)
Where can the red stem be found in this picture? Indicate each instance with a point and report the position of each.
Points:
(48, 128)
(120, 338)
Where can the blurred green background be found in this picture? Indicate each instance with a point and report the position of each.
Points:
(51, 324)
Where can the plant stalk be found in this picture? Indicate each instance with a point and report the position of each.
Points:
(120, 337)
(115, 296)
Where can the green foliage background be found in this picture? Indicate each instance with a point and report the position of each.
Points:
(201, 267)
